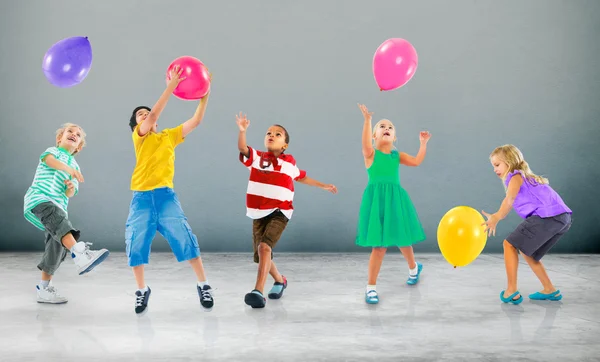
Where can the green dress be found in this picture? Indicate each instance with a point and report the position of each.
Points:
(387, 216)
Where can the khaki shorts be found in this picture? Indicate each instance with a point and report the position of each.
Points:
(57, 225)
(268, 230)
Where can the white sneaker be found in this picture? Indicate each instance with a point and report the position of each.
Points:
(49, 295)
(86, 259)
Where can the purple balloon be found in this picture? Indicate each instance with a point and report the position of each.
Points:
(68, 62)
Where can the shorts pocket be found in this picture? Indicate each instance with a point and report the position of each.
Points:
(129, 237)
(526, 232)
(187, 229)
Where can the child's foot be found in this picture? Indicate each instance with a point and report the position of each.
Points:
(86, 259)
(49, 295)
(371, 297)
(255, 299)
(141, 300)
(514, 298)
(414, 278)
(277, 291)
(546, 295)
(206, 299)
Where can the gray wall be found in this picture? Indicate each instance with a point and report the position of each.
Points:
(490, 72)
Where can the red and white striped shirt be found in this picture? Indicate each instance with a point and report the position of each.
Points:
(271, 183)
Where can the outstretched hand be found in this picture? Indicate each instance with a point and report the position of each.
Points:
(175, 75)
(490, 224)
(365, 112)
(330, 188)
(242, 122)
(424, 136)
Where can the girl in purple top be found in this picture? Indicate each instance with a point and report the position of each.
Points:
(546, 216)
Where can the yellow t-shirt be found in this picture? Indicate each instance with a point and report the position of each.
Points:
(155, 158)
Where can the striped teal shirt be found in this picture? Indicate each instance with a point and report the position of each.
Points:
(49, 184)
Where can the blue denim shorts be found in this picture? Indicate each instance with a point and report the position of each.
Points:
(158, 210)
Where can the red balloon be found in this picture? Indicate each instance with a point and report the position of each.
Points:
(197, 79)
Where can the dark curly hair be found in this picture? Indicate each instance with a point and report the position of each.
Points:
(132, 121)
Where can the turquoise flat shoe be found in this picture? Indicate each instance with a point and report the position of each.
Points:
(554, 296)
(511, 298)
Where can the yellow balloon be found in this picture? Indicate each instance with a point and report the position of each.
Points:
(461, 237)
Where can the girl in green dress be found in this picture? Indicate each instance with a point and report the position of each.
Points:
(387, 215)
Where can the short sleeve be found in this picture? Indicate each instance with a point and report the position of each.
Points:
(301, 174)
(510, 175)
(50, 151)
(175, 135)
(297, 173)
(137, 139)
(247, 161)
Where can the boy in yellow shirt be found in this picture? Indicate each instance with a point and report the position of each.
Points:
(155, 206)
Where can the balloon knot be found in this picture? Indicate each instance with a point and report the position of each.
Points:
(455, 267)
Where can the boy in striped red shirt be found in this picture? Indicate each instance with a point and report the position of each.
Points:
(269, 202)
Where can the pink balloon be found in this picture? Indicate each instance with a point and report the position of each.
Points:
(197, 81)
(394, 63)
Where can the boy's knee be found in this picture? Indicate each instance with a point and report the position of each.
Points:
(264, 248)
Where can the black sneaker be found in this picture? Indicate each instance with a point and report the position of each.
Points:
(141, 301)
(206, 298)
(255, 299)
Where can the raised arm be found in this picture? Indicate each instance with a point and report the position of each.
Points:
(243, 124)
(367, 133)
(158, 107)
(192, 123)
(408, 160)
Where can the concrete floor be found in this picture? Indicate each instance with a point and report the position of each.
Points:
(451, 315)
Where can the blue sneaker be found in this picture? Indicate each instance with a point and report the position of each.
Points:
(277, 291)
(371, 297)
(255, 299)
(414, 279)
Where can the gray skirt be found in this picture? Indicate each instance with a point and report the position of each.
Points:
(535, 236)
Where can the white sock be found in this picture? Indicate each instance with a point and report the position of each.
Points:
(414, 271)
(44, 283)
(74, 247)
(144, 289)
(371, 287)
(202, 284)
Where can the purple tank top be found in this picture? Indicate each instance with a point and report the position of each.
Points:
(536, 199)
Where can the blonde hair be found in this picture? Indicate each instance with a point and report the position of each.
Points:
(513, 157)
(61, 131)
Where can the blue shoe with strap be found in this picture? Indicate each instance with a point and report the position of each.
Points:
(554, 296)
(511, 298)
(414, 279)
(371, 297)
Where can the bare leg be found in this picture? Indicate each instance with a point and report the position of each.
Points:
(68, 241)
(46, 277)
(511, 263)
(375, 262)
(138, 272)
(275, 273)
(264, 266)
(540, 273)
(198, 267)
(409, 255)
